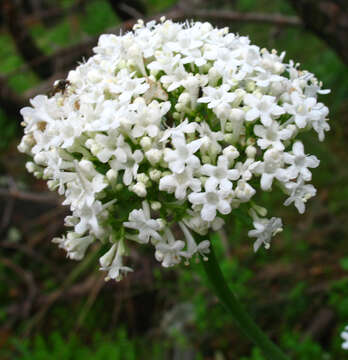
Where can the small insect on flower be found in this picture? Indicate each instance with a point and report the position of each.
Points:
(60, 86)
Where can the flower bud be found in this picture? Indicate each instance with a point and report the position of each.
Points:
(154, 156)
(146, 143)
(140, 189)
(155, 174)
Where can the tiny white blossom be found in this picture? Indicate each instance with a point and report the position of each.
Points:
(299, 193)
(184, 128)
(75, 244)
(202, 248)
(211, 200)
(247, 168)
(112, 262)
(264, 108)
(302, 109)
(244, 191)
(264, 230)
(141, 220)
(344, 336)
(216, 96)
(194, 221)
(130, 165)
(179, 183)
(220, 174)
(183, 154)
(89, 218)
(272, 135)
(300, 162)
(272, 167)
(169, 250)
(127, 86)
(320, 124)
(148, 117)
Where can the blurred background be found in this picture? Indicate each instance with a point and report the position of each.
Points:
(54, 308)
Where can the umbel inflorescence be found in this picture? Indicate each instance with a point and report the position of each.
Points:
(173, 124)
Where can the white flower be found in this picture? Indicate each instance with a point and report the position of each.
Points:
(70, 129)
(247, 168)
(141, 220)
(264, 230)
(140, 189)
(148, 117)
(216, 96)
(210, 139)
(89, 183)
(106, 119)
(75, 245)
(300, 162)
(175, 78)
(112, 262)
(264, 108)
(220, 174)
(264, 78)
(179, 183)
(195, 222)
(272, 167)
(89, 219)
(184, 128)
(130, 165)
(183, 154)
(302, 109)
(212, 200)
(127, 86)
(344, 336)
(244, 191)
(154, 156)
(231, 153)
(202, 248)
(188, 45)
(42, 112)
(59, 168)
(168, 251)
(104, 146)
(320, 124)
(272, 136)
(299, 193)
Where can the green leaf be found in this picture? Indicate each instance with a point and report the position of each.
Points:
(344, 263)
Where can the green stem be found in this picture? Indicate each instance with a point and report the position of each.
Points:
(240, 316)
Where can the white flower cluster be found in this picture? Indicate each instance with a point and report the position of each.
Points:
(173, 124)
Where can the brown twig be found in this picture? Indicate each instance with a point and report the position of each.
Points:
(323, 320)
(25, 250)
(28, 279)
(129, 9)
(235, 16)
(70, 279)
(10, 102)
(53, 13)
(25, 44)
(29, 196)
(6, 218)
(94, 291)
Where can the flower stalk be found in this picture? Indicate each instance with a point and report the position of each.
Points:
(242, 319)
